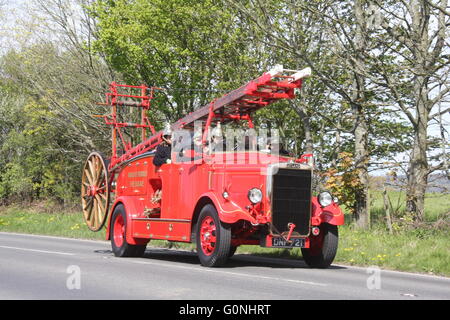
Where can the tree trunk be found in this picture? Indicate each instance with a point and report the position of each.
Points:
(418, 166)
(306, 122)
(361, 209)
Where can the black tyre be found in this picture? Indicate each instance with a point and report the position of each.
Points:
(232, 251)
(119, 244)
(323, 247)
(213, 238)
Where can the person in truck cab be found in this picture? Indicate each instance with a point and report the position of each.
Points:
(274, 146)
(164, 149)
(217, 142)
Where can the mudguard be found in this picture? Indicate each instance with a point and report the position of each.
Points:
(132, 209)
(228, 210)
(331, 214)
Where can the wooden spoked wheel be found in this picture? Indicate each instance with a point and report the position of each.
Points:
(95, 191)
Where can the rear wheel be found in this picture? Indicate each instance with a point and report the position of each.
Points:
(119, 244)
(213, 238)
(95, 191)
(323, 247)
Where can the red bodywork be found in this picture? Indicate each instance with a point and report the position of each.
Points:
(187, 187)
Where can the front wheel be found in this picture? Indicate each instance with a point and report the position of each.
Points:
(213, 238)
(322, 248)
(119, 244)
(232, 251)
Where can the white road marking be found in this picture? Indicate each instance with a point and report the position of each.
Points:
(40, 251)
(395, 272)
(190, 268)
(51, 237)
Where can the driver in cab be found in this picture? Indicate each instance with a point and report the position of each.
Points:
(163, 151)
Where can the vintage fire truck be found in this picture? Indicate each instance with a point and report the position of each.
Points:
(218, 200)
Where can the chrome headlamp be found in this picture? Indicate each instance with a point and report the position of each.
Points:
(255, 195)
(325, 198)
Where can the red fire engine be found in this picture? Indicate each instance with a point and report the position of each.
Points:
(216, 199)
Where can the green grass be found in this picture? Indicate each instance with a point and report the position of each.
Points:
(425, 249)
(62, 224)
(436, 204)
(417, 250)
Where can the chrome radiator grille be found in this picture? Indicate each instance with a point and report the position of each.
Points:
(291, 199)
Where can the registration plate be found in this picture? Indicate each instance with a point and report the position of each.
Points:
(278, 242)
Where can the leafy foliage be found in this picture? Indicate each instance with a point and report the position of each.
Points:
(343, 180)
(177, 45)
(33, 166)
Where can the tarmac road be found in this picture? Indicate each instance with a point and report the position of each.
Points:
(42, 267)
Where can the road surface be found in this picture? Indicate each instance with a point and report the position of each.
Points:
(43, 267)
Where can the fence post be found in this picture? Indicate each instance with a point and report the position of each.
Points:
(387, 210)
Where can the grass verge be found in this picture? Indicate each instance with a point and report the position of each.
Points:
(415, 250)
(70, 225)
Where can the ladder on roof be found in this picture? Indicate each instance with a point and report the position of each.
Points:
(239, 104)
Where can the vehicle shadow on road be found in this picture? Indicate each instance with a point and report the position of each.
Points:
(237, 261)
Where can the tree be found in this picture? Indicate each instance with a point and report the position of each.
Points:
(190, 48)
(417, 79)
(54, 72)
(331, 38)
(32, 166)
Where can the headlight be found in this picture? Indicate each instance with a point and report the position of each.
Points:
(254, 195)
(325, 199)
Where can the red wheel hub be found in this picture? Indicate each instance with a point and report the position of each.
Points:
(119, 231)
(208, 236)
(92, 191)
